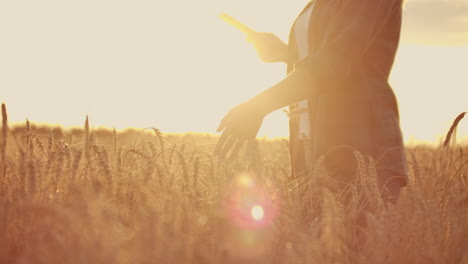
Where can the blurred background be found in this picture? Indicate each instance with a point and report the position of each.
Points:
(176, 66)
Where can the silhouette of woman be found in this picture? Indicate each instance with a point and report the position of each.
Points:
(339, 57)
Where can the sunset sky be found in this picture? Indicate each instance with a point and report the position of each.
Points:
(176, 66)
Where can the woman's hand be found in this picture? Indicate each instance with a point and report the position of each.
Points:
(269, 47)
(239, 126)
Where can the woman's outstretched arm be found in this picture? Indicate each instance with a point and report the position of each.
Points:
(352, 32)
(350, 35)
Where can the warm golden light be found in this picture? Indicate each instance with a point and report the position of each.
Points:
(249, 205)
(132, 53)
(245, 181)
(257, 213)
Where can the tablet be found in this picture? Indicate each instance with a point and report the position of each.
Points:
(235, 23)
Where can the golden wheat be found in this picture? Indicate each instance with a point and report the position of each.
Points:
(139, 197)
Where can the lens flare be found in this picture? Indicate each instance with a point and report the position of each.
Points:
(245, 181)
(248, 205)
(257, 213)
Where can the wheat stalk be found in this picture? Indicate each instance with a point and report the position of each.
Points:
(4, 133)
(453, 129)
(87, 141)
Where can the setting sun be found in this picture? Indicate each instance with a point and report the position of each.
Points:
(155, 58)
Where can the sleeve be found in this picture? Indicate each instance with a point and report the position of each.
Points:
(352, 31)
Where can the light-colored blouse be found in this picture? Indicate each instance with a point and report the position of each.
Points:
(301, 33)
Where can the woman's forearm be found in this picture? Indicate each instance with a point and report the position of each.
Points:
(297, 86)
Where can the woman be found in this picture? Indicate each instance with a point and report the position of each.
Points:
(339, 58)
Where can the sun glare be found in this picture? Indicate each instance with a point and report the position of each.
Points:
(257, 213)
(245, 181)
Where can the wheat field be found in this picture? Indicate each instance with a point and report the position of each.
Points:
(101, 196)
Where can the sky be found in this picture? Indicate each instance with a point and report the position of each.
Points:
(176, 66)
